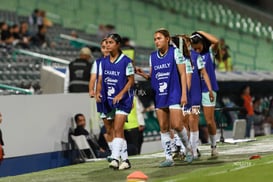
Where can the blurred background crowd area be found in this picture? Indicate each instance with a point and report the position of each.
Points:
(36, 33)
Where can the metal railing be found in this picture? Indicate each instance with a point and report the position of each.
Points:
(17, 90)
(79, 40)
(48, 59)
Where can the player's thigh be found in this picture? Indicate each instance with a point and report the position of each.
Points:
(108, 125)
(163, 119)
(176, 119)
(209, 113)
(119, 122)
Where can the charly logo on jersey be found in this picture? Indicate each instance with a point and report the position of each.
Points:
(162, 87)
(160, 75)
(110, 81)
(162, 66)
(112, 72)
(111, 91)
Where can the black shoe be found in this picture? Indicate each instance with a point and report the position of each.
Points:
(198, 153)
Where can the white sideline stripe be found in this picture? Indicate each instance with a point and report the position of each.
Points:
(149, 156)
(269, 162)
(241, 167)
(253, 147)
(94, 160)
(216, 173)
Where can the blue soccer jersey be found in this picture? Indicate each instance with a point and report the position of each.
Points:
(114, 78)
(195, 95)
(165, 78)
(208, 61)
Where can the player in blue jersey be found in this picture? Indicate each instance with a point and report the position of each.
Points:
(114, 90)
(168, 79)
(206, 45)
(108, 122)
(178, 149)
(199, 72)
(195, 71)
(95, 68)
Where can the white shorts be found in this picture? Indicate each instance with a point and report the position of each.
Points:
(174, 106)
(111, 115)
(206, 101)
(121, 112)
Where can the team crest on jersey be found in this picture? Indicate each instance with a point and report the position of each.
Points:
(162, 87)
(111, 91)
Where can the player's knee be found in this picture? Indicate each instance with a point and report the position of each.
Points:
(195, 110)
(210, 122)
(178, 127)
(164, 130)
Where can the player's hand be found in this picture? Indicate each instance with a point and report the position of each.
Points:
(92, 93)
(102, 150)
(185, 37)
(98, 97)
(117, 98)
(211, 96)
(184, 100)
(139, 71)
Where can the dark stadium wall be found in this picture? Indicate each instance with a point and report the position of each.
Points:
(232, 89)
(265, 5)
(32, 163)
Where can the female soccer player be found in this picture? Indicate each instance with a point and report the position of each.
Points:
(195, 70)
(108, 122)
(168, 79)
(206, 44)
(114, 90)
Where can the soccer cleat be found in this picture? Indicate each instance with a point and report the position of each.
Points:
(167, 163)
(189, 156)
(175, 154)
(196, 158)
(214, 152)
(178, 156)
(109, 159)
(125, 165)
(198, 153)
(114, 164)
(182, 156)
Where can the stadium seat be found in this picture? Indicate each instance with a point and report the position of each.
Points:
(139, 19)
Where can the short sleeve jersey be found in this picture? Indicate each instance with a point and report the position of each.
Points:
(114, 78)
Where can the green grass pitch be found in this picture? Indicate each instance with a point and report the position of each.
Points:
(232, 165)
